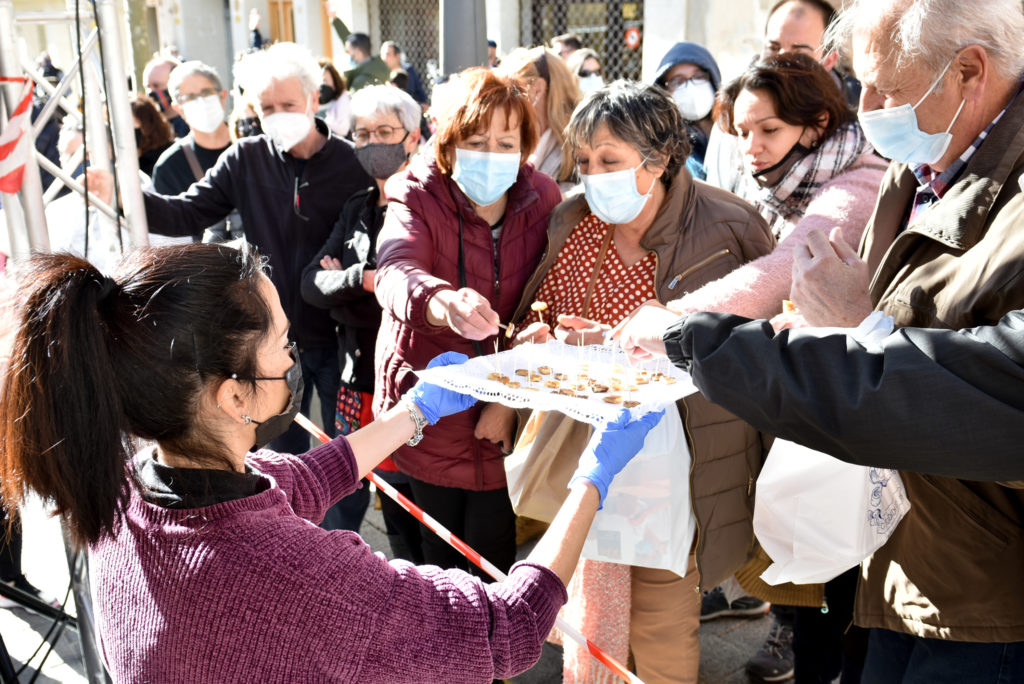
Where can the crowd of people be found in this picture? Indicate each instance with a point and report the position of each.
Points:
(336, 230)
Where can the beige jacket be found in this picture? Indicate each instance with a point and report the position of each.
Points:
(699, 234)
(953, 567)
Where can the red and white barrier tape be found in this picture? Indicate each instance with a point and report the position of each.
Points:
(474, 557)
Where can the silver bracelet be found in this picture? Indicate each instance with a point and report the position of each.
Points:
(417, 419)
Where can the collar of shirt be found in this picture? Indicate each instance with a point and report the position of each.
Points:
(170, 487)
(932, 185)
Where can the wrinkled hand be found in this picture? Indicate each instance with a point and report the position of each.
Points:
(785, 321)
(571, 329)
(495, 425)
(436, 402)
(830, 282)
(369, 275)
(101, 183)
(640, 333)
(465, 311)
(537, 333)
(611, 448)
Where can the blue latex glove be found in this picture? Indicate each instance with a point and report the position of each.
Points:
(437, 402)
(611, 448)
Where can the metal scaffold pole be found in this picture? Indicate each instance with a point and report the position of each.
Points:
(30, 197)
(121, 121)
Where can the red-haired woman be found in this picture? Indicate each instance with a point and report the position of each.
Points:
(465, 227)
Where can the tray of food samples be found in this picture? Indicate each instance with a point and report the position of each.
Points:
(591, 383)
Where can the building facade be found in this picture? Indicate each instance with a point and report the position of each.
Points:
(631, 36)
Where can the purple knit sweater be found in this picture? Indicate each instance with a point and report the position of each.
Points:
(252, 590)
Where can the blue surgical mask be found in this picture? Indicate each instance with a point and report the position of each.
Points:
(613, 196)
(485, 176)
(894, 133)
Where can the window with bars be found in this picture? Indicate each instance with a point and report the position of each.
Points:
(604, 27)
(413, 26)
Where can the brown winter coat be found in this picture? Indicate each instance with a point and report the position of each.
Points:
(953, 567)
(699, 234)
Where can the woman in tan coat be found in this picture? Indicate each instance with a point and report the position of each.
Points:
(643, 229)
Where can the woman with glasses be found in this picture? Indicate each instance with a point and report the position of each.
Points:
(587, 66)
(690, 74)
(554, 93)
(204, 561)
(385, 125)
(464, 229)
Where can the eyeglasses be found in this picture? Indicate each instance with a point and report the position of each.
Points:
(696, 79)
(383, 132)
(182, 98)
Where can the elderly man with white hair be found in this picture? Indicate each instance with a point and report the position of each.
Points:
(289, 186)
(944, 249)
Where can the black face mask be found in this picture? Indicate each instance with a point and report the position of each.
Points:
(382, 160)
(162, 98)
(327, 93)
(277, 424)
(247, 127)
(774, 173)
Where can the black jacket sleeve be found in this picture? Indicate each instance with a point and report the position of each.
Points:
(342, 291)
(933, 401)
(206, 202)
(328, 289)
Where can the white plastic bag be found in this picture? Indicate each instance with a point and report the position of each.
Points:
(816, 516)
(647, 519)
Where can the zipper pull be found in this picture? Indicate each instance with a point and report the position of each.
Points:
(750, 485)
(672, 285)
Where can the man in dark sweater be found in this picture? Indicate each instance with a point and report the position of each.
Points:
(289, 185)
(199, 97)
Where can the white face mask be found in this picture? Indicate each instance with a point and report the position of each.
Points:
(592, 82)
(895, 135)
(613, 197)
(694, 100)
(204, 114)
(287, 129)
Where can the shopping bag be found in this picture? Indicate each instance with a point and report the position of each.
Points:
(544, 458)
(817, 517)
(647, 519)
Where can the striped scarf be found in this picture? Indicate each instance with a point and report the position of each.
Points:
(786, 201)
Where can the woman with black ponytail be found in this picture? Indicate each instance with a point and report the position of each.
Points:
(132, 404)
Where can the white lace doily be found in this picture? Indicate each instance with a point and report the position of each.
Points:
(591, 383)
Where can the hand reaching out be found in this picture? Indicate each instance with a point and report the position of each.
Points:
(101, 183)
(612, 447)
(537, 333)
(640, 333)
(830, 282)
(574, 329)
(436, 402)
(465, 311)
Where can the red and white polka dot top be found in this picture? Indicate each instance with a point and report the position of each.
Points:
(618, 289)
